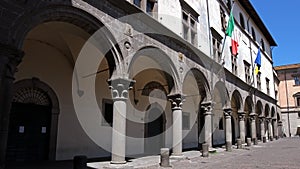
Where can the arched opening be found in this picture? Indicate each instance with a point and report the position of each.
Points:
(196, 90)
(220, 98)
(236, 104)
(33, 122)
(259, 114)
(248, 110)
(152, 70)
(51, 50)
(154, 129)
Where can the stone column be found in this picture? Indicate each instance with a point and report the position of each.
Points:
(9, 60)
(228, 131)
(253, 127)
(119, 91)
(242, 126)
(206, 106)
(275, 128)
(176, 102)
(270, 129)
(262, 128)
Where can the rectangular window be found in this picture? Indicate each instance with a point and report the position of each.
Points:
(234, 64)
(268, 86)
(258, 81)
(137, 3)
(247, 73)
(107, 112)
(189, 27)
(185, 121)
(297, 80)
(217, 49)
(298, 101)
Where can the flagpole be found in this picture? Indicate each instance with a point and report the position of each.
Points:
(224, 41)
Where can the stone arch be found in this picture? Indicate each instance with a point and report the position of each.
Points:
(267, 110)
(77, 17)
(52, 101)
(237, 98)
(273, 115)
(159, 60)
(259, 108)
(249, 110)
(202, 83)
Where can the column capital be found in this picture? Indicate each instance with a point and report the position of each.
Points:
(119, 87)
(241, 116)
(261, 119)
(227, 112)
(207, 106)
(176, 100)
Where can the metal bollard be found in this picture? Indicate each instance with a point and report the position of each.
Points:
(239, 143)
(80, 162)
(264, 139)
(248, 142)
(164, 157)
(204, 150)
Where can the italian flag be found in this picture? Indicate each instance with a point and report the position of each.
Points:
(229, 32)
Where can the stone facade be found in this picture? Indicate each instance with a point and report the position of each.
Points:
(159, 79)
(289, 98)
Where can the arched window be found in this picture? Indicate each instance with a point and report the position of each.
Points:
(253, 33)
(262, 44)
(242, 21)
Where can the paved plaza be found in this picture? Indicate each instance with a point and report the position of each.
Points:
(283, 153)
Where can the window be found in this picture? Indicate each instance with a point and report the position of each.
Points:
(298, 101)
(150, 6)
(247, 72)
(268, 86)
(234, 64)
(253, 34)
(107, 112)
(228, 3)
(242, 22)
(297, 80)
(223, 19)
(216, 45)
(137, 3)
(189, 23)
(258, 81)
(185, 121)
(262, 44)
(189, 26)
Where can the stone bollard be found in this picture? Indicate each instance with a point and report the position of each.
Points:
(264, 139)
(204, 150)
(239, 143)
(255, 142)
(228, 146)
(164, 157)
(271, 138)
(80, 162)
(248, 142)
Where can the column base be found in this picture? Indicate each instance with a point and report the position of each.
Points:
(118, 166)
(118, 162)
(271, 138)
(264, 139)
(228, 146)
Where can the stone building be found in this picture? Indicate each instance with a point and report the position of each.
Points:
(67, 67)
(289, 98)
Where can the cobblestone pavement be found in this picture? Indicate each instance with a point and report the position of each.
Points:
(279, 154)
(283, 153)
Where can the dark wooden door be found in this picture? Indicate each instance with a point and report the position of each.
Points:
(29, 132)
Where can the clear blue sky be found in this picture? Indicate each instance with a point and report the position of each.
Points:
(282, 18)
